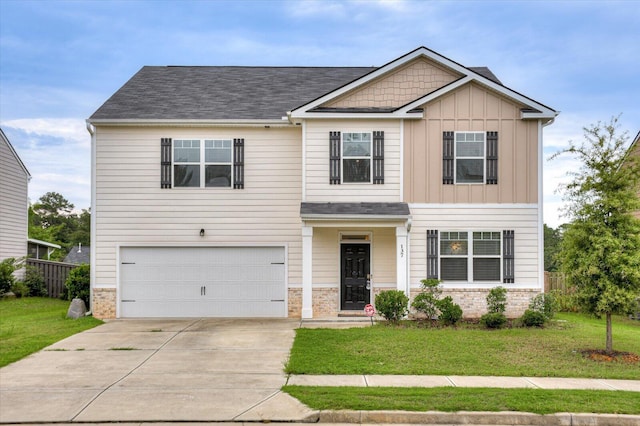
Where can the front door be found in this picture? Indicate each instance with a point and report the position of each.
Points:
(355, 284)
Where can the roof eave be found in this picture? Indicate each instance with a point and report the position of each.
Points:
(359, 115)
(189, 122)
(337, 217)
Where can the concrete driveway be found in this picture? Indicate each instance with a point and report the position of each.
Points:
(156, 370)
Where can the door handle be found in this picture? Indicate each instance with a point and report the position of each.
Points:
(368, 287)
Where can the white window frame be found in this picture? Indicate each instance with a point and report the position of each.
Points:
(470, 256)
(483, 158)
(202, 163)
(343, 157)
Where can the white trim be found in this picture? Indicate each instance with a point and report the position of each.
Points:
(15, 154)
(402, 259)
(353, 157)
(466, 206)
(360, 115)
(483, 157)
(467, 76)
(43, 243)
(307, 272)
(358, 217)
(368, 234)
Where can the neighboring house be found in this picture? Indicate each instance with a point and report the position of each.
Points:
(78, 255)
(305, 191)
(14, 203)
(39, 249)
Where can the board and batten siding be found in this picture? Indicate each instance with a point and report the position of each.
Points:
(521, 219)
(318, 188)
(471, 108)
(13, 204)
(132, 209)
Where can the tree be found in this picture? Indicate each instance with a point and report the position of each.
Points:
(552, 241)
(600, 251)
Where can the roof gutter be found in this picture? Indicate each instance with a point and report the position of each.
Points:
(185, 123)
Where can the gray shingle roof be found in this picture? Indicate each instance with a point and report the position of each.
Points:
(358, 209)
(219, 93)
(78, 257)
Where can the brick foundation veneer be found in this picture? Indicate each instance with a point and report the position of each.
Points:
(103, 305)
(474, 301)
(325, 302)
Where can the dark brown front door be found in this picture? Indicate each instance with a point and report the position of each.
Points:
(355, 287)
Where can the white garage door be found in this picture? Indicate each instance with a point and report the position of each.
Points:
(202, 282)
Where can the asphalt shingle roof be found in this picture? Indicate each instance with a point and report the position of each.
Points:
(219, 93)
(359, 209)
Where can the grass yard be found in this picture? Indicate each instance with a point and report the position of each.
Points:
(551, 352)
(447, 399)
(30, 324)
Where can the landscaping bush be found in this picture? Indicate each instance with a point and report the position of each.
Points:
(497, 300)
(20, 289)
(566, 301)
(545, 304)
(450, 313)
(34, 281)
(532, 318)
(7, 280)
(493, 320)
(78, 283)
(392, 305)
(427, 301)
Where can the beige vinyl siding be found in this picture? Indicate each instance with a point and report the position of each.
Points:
(521, 219)
(326, 255)
(131, 208)
(471, 108)
(401, 86)
(318, 188)
(13, 204)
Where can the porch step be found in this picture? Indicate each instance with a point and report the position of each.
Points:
(352, 314)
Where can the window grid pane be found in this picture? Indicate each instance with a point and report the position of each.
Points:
(217, 176)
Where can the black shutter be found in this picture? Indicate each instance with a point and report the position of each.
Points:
(238, 163)
(447, 158)
(492, 158)
(432, 254)
(165, 163)
(334, 158)
(378, 157)
(508, 256)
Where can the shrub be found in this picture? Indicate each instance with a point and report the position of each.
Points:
(34, 281)
(20, 289)
(493, 320)
(497, 300)
(427, 301)
(532, 318)
(450, 313)
(7, 280)
(566, 301)
(545, 304)
(392, 305)
(78, 283)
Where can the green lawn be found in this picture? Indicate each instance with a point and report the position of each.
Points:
(448, 399)
(30, 324)
(551, 352)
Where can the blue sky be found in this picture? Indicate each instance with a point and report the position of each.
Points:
(60, 60)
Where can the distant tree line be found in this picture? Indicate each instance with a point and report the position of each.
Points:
(53, 219)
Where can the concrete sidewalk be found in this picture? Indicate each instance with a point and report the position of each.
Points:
(464, 381)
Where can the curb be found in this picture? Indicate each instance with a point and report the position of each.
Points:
(473, 418)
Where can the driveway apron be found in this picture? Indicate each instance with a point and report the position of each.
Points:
(156, 370)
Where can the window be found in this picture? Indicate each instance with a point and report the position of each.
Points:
(202, 163)
(470, 158)
(474, 259)
(356, 157)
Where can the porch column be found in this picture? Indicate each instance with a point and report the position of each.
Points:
(307, 272)
(401, 258)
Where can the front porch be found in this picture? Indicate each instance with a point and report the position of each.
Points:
(350, 252)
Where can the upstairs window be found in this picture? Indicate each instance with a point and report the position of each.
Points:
(469, 157)
(202, 163)
(356, 157)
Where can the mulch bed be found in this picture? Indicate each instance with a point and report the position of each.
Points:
(601, 355)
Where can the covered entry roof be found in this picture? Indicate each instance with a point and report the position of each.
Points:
(391, 211)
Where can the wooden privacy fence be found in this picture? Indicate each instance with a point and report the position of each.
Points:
(554, 281)
(54, 273)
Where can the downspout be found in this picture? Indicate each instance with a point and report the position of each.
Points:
(92, 255)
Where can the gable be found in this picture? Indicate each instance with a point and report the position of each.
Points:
(399, 87)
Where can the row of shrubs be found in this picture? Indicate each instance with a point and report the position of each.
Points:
(393, 305)
(33, 285)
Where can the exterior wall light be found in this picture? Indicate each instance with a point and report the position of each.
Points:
(202, 232)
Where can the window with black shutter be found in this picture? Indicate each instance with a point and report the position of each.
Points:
(508, 256)
(432, 254)
(470, 158)
(165, 163)
(356, 157)
(238, 163)
(378, 157)
(334, 158)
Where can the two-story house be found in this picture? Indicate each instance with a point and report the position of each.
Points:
(304, 191)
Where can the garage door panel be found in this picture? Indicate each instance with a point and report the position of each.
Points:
(202, 282)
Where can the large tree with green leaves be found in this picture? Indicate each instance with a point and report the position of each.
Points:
(600, 250)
